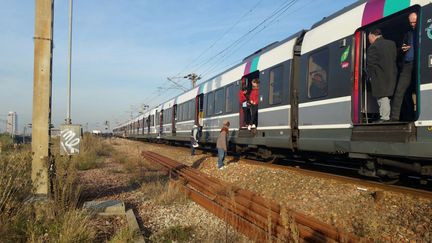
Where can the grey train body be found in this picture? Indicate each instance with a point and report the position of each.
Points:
(293, 115)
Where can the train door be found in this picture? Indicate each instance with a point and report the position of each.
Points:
(368, 125)
(248, 114)
(365, 109)
(174, 119)
(161, 122)
(199, 109)
(148, 125)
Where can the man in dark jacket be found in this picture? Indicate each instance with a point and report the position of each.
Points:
(382, 70)
(408, 49)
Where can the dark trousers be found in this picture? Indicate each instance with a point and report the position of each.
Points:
(246, 115)
(254, 114)
(401, 89)
(192, 150)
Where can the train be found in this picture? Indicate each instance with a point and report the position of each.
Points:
(314, 96)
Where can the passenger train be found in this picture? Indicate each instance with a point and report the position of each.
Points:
(314, 96)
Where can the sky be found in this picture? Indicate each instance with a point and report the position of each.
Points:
(124, 51)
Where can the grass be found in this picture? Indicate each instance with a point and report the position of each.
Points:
(92, 153)
(5, 142)
(123, 235)
(176, 233)
(54, 220)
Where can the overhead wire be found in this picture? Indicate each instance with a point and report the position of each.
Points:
(221, 37)
(213, 44)
(250, 38)
(275, 14)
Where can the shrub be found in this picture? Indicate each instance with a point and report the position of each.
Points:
(25, 220)
(6, 142)
(93, 151)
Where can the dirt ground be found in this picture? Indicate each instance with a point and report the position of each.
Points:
(391, 218)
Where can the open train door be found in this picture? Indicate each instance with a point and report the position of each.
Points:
(161, 123)
(148, 125)
(173, 120)
(365, 109)
(199, 110)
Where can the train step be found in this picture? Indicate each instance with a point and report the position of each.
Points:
(245, 133)
(385, 132)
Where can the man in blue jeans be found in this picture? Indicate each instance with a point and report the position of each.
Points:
(222, 143)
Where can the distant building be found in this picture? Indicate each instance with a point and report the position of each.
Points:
(12, 123)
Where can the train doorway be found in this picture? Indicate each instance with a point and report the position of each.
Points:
(199, 110)
(404, 99)
(248, 113)
(161, 122)
(173, 120)
(148, 125)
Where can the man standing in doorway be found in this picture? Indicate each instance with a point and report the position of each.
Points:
(408, 50)
(382, 70)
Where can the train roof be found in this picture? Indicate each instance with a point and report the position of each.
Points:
(338, 13)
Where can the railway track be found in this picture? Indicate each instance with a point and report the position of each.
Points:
(360, 182)
(344, 179)
(258, 218)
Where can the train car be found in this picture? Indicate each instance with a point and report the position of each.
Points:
(340, 118)
(315, 97)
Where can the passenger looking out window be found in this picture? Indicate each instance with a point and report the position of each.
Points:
(317, 74)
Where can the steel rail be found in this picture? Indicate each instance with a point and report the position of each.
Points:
(250, 207)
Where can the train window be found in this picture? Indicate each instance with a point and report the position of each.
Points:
(219, 101)
(182, 112)
(210, 103)
(229, 98)
(191, 110)
(318, 66)
(185, 111)
(152, 120)
(276, 85)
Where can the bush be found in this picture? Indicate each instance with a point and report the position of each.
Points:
(6, 142)
(55, 220)
(93, 152)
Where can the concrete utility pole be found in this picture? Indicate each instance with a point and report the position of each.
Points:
(68, 115)
(194, 78)
(41, 120)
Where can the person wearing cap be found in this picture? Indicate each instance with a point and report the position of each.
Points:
(221, 144)
(382, 70)
(254, 100)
